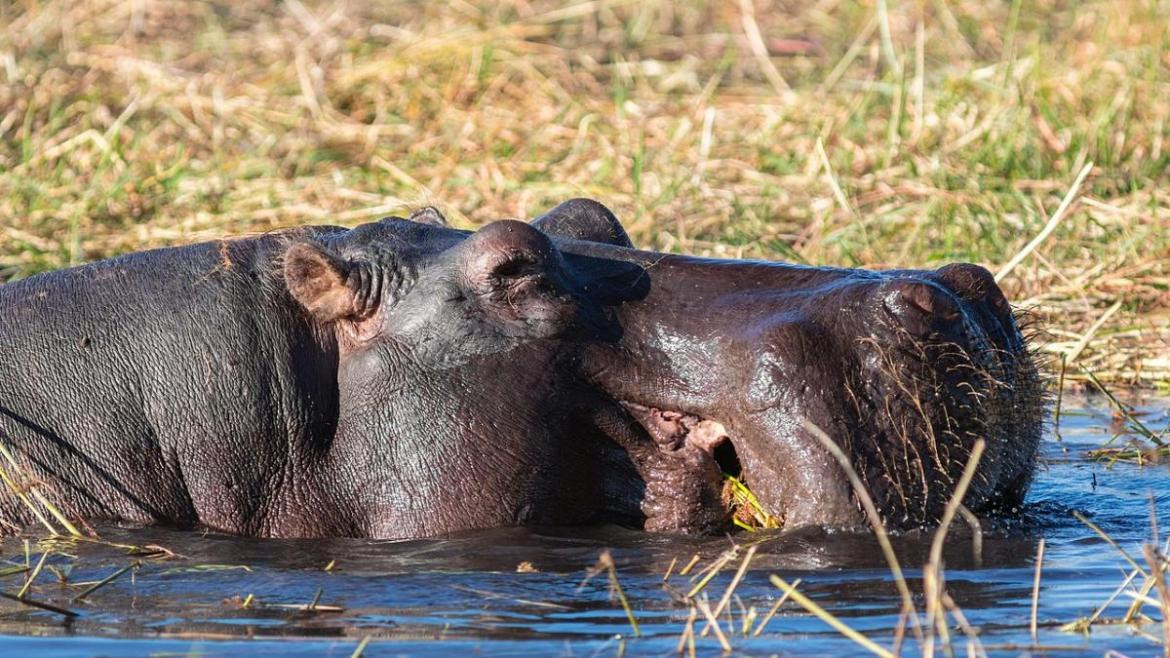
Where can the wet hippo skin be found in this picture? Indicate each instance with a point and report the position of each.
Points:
(904, 369)
(403, 379)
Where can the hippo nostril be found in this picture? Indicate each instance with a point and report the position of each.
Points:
(974, 284)
(911, 300)
(919, 297)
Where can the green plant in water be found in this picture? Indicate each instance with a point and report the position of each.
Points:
(746, 510)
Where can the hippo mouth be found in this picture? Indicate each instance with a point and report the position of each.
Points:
(695, 481)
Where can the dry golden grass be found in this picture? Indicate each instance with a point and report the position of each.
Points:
(827, 132)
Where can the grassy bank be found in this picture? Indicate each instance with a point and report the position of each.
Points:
(876, 134)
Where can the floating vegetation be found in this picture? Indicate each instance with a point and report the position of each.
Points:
(103, 582)
(1151, 592)
(1145, 445)
(250, 602)
(204, 568)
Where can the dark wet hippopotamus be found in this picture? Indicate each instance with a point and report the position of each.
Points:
(402, 379)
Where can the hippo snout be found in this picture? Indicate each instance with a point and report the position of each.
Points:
(904, 370)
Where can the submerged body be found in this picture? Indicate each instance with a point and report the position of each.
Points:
(403, 379)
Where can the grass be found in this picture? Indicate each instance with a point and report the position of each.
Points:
(747, 513)
(883, 134)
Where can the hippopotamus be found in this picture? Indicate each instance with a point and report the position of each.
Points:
(404, 378)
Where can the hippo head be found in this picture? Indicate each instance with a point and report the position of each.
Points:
(731, 366)
(457, 371)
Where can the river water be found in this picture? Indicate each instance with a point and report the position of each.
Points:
(464, 594)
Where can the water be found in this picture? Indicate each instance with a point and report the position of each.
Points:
(464, 594)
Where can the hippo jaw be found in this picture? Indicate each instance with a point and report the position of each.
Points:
(704, 478)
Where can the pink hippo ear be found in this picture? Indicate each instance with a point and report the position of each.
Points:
(317, 280)
(513, 271)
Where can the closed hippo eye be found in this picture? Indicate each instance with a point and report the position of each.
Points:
(516, 265)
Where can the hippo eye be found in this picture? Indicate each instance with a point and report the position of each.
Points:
(515, 267)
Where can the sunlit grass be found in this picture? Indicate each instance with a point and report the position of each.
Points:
(950, 131)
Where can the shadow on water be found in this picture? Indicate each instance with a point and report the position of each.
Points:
(519, 591)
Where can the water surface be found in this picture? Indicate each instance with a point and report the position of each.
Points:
(465, 594)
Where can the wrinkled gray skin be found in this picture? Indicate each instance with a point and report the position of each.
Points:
(404, 379)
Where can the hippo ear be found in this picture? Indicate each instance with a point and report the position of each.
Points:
(514, 273)
(317, 280)
(583, 219)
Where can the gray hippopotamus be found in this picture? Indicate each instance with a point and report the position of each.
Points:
(404, 379)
